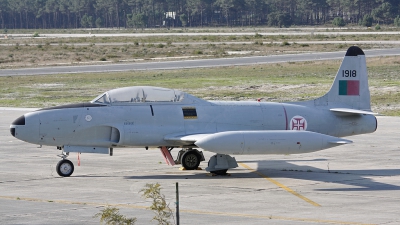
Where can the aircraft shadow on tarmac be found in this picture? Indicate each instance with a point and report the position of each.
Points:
(359, 180)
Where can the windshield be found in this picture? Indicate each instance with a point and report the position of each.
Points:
(102, 99)
(139, 94)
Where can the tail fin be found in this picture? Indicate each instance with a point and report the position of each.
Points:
(350, 88)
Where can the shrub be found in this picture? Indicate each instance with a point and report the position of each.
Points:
(339, 22)
(159, 206)
(184, 19)
(397, 21)
(111, 215)
(367, 21)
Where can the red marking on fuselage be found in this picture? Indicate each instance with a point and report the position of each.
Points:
(297, 124)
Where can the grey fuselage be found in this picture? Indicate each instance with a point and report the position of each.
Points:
(149, 123)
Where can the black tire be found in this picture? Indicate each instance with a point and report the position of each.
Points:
(219, 172)
(65, 168)
(190, 160)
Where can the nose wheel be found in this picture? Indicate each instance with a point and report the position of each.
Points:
(65, 168)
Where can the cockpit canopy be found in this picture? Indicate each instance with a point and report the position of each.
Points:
(139, 94)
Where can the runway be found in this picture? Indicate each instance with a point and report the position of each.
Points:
(357, 183)
(199, 63)
(178, 32)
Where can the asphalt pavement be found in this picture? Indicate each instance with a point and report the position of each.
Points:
(358, 183)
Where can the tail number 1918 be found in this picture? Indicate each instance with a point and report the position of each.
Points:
(349, 73)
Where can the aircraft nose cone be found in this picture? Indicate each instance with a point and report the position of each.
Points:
(26, 128)
(19, 121)
(12, 131)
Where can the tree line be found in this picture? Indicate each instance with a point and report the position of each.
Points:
(47, 14)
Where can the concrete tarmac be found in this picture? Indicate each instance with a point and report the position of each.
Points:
(357, 183)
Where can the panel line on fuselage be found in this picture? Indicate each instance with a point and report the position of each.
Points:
(287, 122)
(152, 112)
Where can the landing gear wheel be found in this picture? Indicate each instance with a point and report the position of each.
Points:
(219, 172)
(65, 168)
(191, 160)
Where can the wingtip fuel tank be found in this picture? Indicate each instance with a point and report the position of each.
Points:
(268, 142)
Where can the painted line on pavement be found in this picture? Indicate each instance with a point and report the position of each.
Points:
(280, 185)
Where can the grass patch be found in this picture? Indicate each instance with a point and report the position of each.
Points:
(91, 49)
(273, 82)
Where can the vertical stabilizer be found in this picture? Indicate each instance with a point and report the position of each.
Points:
(350, 88)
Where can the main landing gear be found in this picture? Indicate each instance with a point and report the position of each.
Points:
(65, 167)
(189, 158)
(218, 164)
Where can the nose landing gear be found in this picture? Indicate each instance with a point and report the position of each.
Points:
(64, 167)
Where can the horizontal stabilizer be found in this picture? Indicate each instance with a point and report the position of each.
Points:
(350, 112)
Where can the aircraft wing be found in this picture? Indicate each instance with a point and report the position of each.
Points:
(185, 139)
(350, 112)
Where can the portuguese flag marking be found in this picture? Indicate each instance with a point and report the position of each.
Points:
(349, 87)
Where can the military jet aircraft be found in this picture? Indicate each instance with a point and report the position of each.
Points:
(144, 116)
